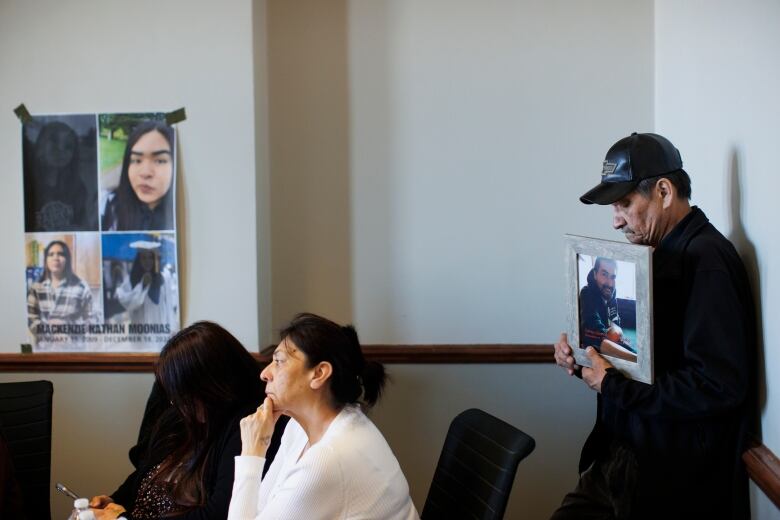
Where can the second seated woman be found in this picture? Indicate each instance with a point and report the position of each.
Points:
(333, 462)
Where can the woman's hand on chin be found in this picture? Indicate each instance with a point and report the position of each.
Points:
(257, 429)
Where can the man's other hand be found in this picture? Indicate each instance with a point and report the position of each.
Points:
(594, 375)
(564, 356)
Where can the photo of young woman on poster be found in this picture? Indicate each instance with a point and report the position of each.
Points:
(60, 173)
(140, 284)
(59, 302)
(149, 292)
(144, 198)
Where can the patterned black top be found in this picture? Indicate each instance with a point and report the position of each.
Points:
(154, 498)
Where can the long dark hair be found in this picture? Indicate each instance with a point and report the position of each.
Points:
(323, 340)
(129, 209)
(70, 276)
(208, 377)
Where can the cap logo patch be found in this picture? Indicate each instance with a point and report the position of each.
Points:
(608, 168)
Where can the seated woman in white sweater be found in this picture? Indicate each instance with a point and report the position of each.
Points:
(333, 462)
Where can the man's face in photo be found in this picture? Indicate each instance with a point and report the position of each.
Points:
(606, 273)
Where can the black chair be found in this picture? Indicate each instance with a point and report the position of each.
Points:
(476, 468)
(25, 422)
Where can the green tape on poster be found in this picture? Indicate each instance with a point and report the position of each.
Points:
(23, 114)
(177, 116)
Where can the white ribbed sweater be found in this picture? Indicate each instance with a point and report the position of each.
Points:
(351, 473)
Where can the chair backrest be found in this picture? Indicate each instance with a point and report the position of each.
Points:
(476, 468)
(25, 422)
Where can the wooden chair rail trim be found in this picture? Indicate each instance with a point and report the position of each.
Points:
(411, 354)
(763, 467)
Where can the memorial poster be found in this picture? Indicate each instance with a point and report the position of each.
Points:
(100, 232)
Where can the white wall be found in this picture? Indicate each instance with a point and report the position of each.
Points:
(95, 56)
(717, 84)
(474, 129)
(468, 134)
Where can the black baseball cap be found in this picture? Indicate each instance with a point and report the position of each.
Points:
(631, 160)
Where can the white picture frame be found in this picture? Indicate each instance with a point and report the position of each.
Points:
(609, 284)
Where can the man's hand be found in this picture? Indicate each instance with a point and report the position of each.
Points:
(594, 375)
(564, 356)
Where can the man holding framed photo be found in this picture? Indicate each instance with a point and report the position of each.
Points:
(671, 449)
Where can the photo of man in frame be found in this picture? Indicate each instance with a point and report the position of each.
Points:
(605, 325)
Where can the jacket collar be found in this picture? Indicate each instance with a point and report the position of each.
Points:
(684, 231)
(666, 257)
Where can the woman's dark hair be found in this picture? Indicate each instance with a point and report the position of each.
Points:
(70, 276)
(679, 179)
(323, 340)
(208, 377)
(137, 272)
(131, 213)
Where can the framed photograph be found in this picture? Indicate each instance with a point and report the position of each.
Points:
(610, 303)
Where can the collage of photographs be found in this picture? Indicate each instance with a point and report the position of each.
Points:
(100, 232)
